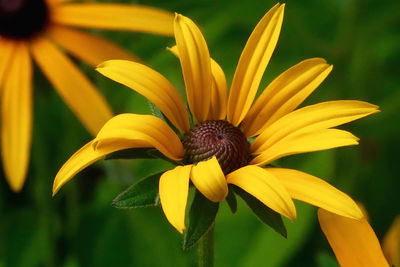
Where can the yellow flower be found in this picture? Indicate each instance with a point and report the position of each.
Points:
(354, 242)
(41, 29)
(216, 152)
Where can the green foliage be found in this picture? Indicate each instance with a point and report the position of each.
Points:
(142, 194)
(265, 214)
(201, 218)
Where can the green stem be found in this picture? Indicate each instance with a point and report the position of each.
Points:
(206, 248)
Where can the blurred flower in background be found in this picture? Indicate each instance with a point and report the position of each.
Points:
(43, 29)
(354, 242)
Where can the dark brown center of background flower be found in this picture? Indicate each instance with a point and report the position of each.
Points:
(22, 19)
(217, 138)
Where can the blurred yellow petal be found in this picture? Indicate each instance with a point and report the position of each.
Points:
(312, 118)
(317, 192)
(151, 85)
(391, 243)
(6, 51)
(84, 157)
(196, 66)
(208, 178)
(306, 142)
(265, 187)
(173, 190)
(219, 90)
(72, 85)
(115, 17)
(149, 130)
(89, 48)
(353, 241)
(16, 118)
(252, 64)
(285, 94)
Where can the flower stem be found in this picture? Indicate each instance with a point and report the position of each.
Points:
(206, 248)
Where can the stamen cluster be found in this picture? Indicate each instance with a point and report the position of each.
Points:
(22, 19)
(217, 138)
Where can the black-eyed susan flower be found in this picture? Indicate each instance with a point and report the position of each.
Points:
(231, 139)
(42, 29)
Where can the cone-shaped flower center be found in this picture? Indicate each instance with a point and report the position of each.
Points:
(22, 19)
(217, 138)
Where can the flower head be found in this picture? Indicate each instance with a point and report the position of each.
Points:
(36, 28)
(218, 148)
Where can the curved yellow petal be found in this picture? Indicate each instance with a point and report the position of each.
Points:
(306, 142)
(173, 190)
(6, 51)
(317, 192)
(285, 94)
(312, 118)
(16, 118)
(151, 85)
(115, 17)
(149, 130)
(208, 178)
(265, 187)
(75, 89)
(219, 90)
(391, 243)
(252, 64)
(84, 157)
(89, 48)
(196, 66)
(353, 241)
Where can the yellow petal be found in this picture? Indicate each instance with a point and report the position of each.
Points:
(57, 2)
(196, 66)
(208, 178)
(252, 64)
(173, 190)
(151, 85)
(265, 187)
(16, 115)
(317, 192)
(391, 243)
(285, 94)
(75, 89)
(84, 157)
(148, 130)
(115, 17)
(6, 51)
(353, 241)
(88, 48)
(306, 142)
(312, 118)
(219, 91)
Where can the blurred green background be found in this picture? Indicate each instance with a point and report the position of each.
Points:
(78, 227)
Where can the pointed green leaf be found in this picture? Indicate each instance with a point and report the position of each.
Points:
(142, 194)
(264, 213)
(231, 200)
(201, 218)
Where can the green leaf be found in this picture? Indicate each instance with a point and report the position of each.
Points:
(231, 200)
(134, 153)
(142, 194)
(265, 214)
(201, 218)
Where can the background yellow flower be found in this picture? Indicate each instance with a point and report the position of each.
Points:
(41, 29)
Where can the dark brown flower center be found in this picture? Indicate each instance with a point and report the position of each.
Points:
(22, 19)
(217, 138)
